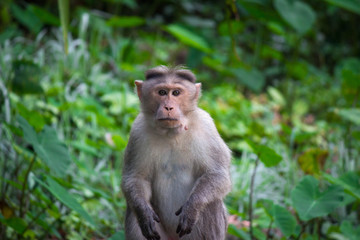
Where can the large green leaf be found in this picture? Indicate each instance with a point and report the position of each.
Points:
(66, 198)
(351, 5)
(350, 181)
(47, 146)
(310, 203)
(252, 78)
(30, 135)
(266, 155)
(297, 14)
(188, 37)
(53, 151)
(284, 220)
(351, 232)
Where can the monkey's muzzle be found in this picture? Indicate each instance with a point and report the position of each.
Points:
(169, 122)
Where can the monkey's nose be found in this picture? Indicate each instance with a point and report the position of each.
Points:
(169, 108)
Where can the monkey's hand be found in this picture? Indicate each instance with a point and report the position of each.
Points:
(147, 224)
(188, 215)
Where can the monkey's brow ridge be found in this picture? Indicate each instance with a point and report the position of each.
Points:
(186, 76)
(153, 74)
(183, 74)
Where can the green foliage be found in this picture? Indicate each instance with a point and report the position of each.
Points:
(26, 77)
(266, 155)
(284, 220)
(297, 14)
(310, 203)
(47, 146)
(187, 37)
(118, 236)
(350, 231)
(351, 5)
(282, 87)
(62, 194)
(352, 114)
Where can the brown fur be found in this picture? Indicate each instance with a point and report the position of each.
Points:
(176, 166)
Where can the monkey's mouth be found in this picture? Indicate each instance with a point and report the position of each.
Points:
(168, 119)
(169, 122)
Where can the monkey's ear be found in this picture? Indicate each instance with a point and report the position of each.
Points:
(198, 90)
(138, 84)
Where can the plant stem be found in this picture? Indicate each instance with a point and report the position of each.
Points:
(269, 229)
(303, 226)
(24, 186)
(251, 197)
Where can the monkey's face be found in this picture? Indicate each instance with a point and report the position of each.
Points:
(169, 102)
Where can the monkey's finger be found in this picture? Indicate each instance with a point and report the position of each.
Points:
(178, 229)
(178, 211)
(153, 231)
(156, 218)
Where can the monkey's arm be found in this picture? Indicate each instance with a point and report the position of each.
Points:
(213, 184)
(137, 191)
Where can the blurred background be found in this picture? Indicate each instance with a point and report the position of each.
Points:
(281, 78)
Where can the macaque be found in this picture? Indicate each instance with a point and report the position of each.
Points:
(176, 166)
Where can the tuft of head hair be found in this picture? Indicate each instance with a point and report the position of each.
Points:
(164, 71)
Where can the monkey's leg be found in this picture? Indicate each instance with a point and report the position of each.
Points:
(133, 231)
(212, 223)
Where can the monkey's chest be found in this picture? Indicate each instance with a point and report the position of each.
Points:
(171, 188)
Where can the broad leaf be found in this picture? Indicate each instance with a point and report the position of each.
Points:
(351, 5)
(66, 198)
(266, 155)
(284, 220)
(188, 37)
(30, 135)
(252, 79)
(351, 232)
(350, 181)
(52, 151)
(310, 203)
(47, 146)
(297, 14)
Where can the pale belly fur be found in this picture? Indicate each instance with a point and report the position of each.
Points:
(171, 187)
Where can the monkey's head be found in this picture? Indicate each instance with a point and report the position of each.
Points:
(168, 95)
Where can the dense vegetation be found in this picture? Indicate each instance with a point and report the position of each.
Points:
(281, 78)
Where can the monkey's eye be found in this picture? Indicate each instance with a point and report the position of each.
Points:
(162, 92)
(176, 93)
